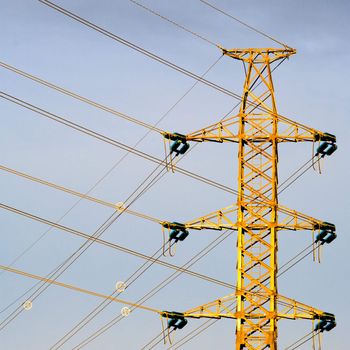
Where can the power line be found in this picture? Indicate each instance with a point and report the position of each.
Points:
(59, 270)
(199, 36)
(106, 297)
(139, 49)
(111, 141)
(152, 182)
(158, 341)
(75, 288)
(108, 109)
(282, 271)
(3, 168)
(111, 323)
(76, 255)
(140, 271)
(66, 263)
(77, 127)
(300, 259)
(99, 105)
(296, 172)
(162, 337)
(104, 328)
(150, 294)
(244, 23)
(200, 329)
(81, 98)
(110, 244)
(301, 174)
(164, 115)
(163, 61)
(74, 95)
(153, 56)
(114, 206)
(130, 149)
(304, 341)
(211, 322)
(114, 321)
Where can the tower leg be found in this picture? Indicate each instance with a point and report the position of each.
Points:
(257, 247)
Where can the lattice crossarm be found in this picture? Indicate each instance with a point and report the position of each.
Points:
(227, 131)
(292, 309)
(258, 53)
(223, 308)
(223, 131)
(224, 218)
(292, 220)
(220, 308)
(292, 131)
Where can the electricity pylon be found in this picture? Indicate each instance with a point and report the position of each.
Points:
(257, 215)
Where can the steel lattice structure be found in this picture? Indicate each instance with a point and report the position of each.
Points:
(257, 215)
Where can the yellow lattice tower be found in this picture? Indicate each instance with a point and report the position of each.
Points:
(257, 215)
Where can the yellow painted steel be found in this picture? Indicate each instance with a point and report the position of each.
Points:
(257, 215)
(226, 218)
(257, 248)
(225, 308)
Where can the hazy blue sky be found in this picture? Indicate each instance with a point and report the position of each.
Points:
(311, 87)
